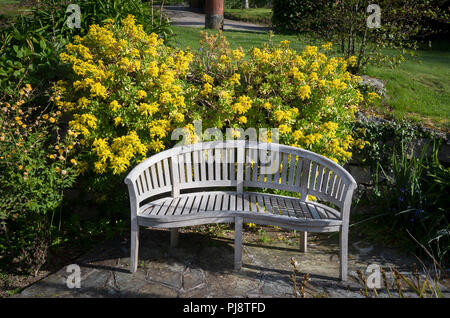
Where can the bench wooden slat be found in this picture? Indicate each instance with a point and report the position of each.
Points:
(188, 206)
(180, 206)
(312, 179)
(225, 202)
(146, 177)
(268, 204)
(260, 204)
(196, 203)
(298, 172)
(173, 205)
(202, 163)
(160, 173)
(246, 202)
(290, 207)
(284, 168)
(240, 202)
(167, 172)
(203, 204)
(210, 164)
(233, 202)
(188, 165)
(313, 211)
(292, 164)
(256, 164)
(218, 204)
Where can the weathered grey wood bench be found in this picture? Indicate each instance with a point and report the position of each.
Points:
(204, 183)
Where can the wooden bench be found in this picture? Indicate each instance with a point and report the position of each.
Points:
(214, 182)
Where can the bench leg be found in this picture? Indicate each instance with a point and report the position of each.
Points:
(174, 237)
(303, 242)
(134, 249)
(343, 238)
(237, 243)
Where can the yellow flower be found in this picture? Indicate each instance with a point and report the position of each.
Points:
(207, 79)
(235, 79)
(148, 109)
(117, 120)
(114, 105)
(242, 119)
(141, 94)
(327, 46)
(267, 106)
(243, 104)
(237, 55)
(284, 129)
(207, 89)
(304, 92)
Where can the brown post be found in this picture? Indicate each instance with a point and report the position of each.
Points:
(214, 14)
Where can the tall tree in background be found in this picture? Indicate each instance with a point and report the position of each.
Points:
(245, 4)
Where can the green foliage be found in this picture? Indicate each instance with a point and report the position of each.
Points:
(414, 199)
(238, 4)
(346, 23)
(383, 138)
(296, 15)
(36, 164)
(31, 42)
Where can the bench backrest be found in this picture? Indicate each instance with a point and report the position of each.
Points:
(241, 164)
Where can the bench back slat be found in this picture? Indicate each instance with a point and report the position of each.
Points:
(241, 164)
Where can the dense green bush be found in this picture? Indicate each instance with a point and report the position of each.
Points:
(296, 15)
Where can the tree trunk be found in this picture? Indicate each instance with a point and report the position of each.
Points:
(245, 4)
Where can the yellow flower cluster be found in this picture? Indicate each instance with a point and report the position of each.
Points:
(122, 78)
(117, 156)
(242, 105)
(304, 95)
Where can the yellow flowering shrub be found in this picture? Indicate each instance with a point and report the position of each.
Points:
(309, 97)
(126, 94)
(129, 91)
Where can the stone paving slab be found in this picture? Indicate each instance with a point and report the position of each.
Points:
(202, 267)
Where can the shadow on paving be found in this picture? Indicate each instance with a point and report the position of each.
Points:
(202, 266)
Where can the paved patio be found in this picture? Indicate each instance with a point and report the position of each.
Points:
(202, 266)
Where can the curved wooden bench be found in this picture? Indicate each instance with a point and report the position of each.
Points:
(204, 183)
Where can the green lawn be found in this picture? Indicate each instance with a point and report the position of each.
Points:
(417, 90)
(254, 15)
(191, 37)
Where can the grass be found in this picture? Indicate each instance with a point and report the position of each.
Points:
(253, 15)
(418, 90)
(185, 37)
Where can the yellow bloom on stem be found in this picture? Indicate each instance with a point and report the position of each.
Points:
(141, 94)
(304, 92)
